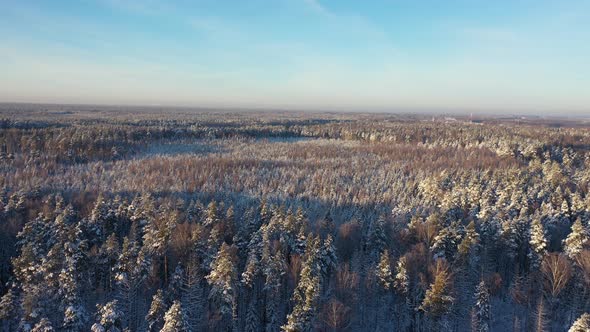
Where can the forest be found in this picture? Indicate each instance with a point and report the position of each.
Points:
(132, 219)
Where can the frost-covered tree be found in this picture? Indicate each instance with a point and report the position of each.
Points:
(223, 281)
(109, 318)
(155, 316)
(44, 325)
(446, 242)
(401, 280)
(582, 324)
(383, 271)
(175, 319)
(376, 239)
(75, 318)
(213, 215)
(305, 297)
(328, 259)
(470, 242)
(576, 240)
(481, 309)
(438, 300)
(538, 244)
(9, 309)
(274, 271)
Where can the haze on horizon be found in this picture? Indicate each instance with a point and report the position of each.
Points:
(524, 55)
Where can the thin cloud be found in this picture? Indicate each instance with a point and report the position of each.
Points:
(316, 6)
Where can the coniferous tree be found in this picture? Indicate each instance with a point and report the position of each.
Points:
(383, 272)
(155, 316)
(538, 244)
(482, 308)
(582, 324)
(438, 300)
(446, 243)
(175, 319)
(44, 325)
(305, 295)
(223, 281)
(401, 281)
(109, 318)
(576, 240)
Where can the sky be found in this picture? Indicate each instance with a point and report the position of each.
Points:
(382, 55)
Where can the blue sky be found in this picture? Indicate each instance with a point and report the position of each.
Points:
(492, 55)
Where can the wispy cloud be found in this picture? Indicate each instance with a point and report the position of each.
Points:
(317, 7)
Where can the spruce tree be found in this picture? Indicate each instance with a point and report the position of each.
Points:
(223, 282)
(538, 244)
(175, 319)
(383, 271)
(482, 308)
(155, 316)
(109, 318)
(582, 324)
(576, 240)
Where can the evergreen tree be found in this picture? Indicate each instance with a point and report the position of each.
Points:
(438, 300)
(538, 244)
(212, 215)
(109, 318)
(376, 240)
(401, 281)
(175, 319)
(470, 241)
(482, 308)
(305, 296)
(582, 324)
(223, 281)
(328, 257)
(274, 272)
(155, 316)
(383, 271)
(576, 240)
(446, 243)
(44, 325)
(9, 309)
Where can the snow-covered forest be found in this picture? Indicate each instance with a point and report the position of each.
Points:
(132, 220)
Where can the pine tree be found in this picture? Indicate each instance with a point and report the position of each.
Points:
(251, 271)
(328, 257)
(376, 240)
(582, 324)
(95, 226)
(438, 300)
(470, 241)
(274, 272)
(446, 243)
(307, 292)
(131, 271)
(44, 325)
(106, 259)
(109, 318)
(576, 240)
(538, 244)
(383, 271)
(9, 311)
(213, 217)
(155, 316)
(401, 280)
(482, 308)
(252, 322)
(175, 319)
(75, 318)
(223, 281)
